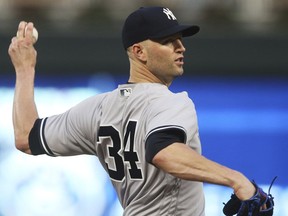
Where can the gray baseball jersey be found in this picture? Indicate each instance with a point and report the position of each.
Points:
(125, 128)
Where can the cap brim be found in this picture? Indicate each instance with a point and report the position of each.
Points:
(186, 30)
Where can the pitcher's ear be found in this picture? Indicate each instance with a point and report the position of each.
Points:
(138, 50)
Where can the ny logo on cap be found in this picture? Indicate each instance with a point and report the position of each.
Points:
(169, 14)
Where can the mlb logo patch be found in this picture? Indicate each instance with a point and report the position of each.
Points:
(125, 92)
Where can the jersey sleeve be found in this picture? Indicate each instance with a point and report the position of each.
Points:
(73, 132)
(172, 119)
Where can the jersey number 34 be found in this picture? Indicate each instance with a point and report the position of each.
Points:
(122, 153)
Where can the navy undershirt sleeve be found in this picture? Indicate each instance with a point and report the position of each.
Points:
(160, 139)
(35, 140)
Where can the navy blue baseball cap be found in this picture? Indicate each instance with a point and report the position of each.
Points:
(153, 23)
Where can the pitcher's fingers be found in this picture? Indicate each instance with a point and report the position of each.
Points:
(13, 40)
(12, 44)
(29, 30)
(21, 29)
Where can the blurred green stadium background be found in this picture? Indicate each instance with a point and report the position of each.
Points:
(238, 37)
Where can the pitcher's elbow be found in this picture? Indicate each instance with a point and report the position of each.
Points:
(22, 145)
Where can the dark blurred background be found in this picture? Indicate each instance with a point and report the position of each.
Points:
(238, 37)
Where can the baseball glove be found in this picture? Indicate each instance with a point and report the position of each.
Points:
(252, 206)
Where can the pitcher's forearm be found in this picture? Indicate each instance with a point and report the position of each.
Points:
(24, 109)
(183, 162)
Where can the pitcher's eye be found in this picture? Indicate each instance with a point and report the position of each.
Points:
(171, 40)
(166, 41)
